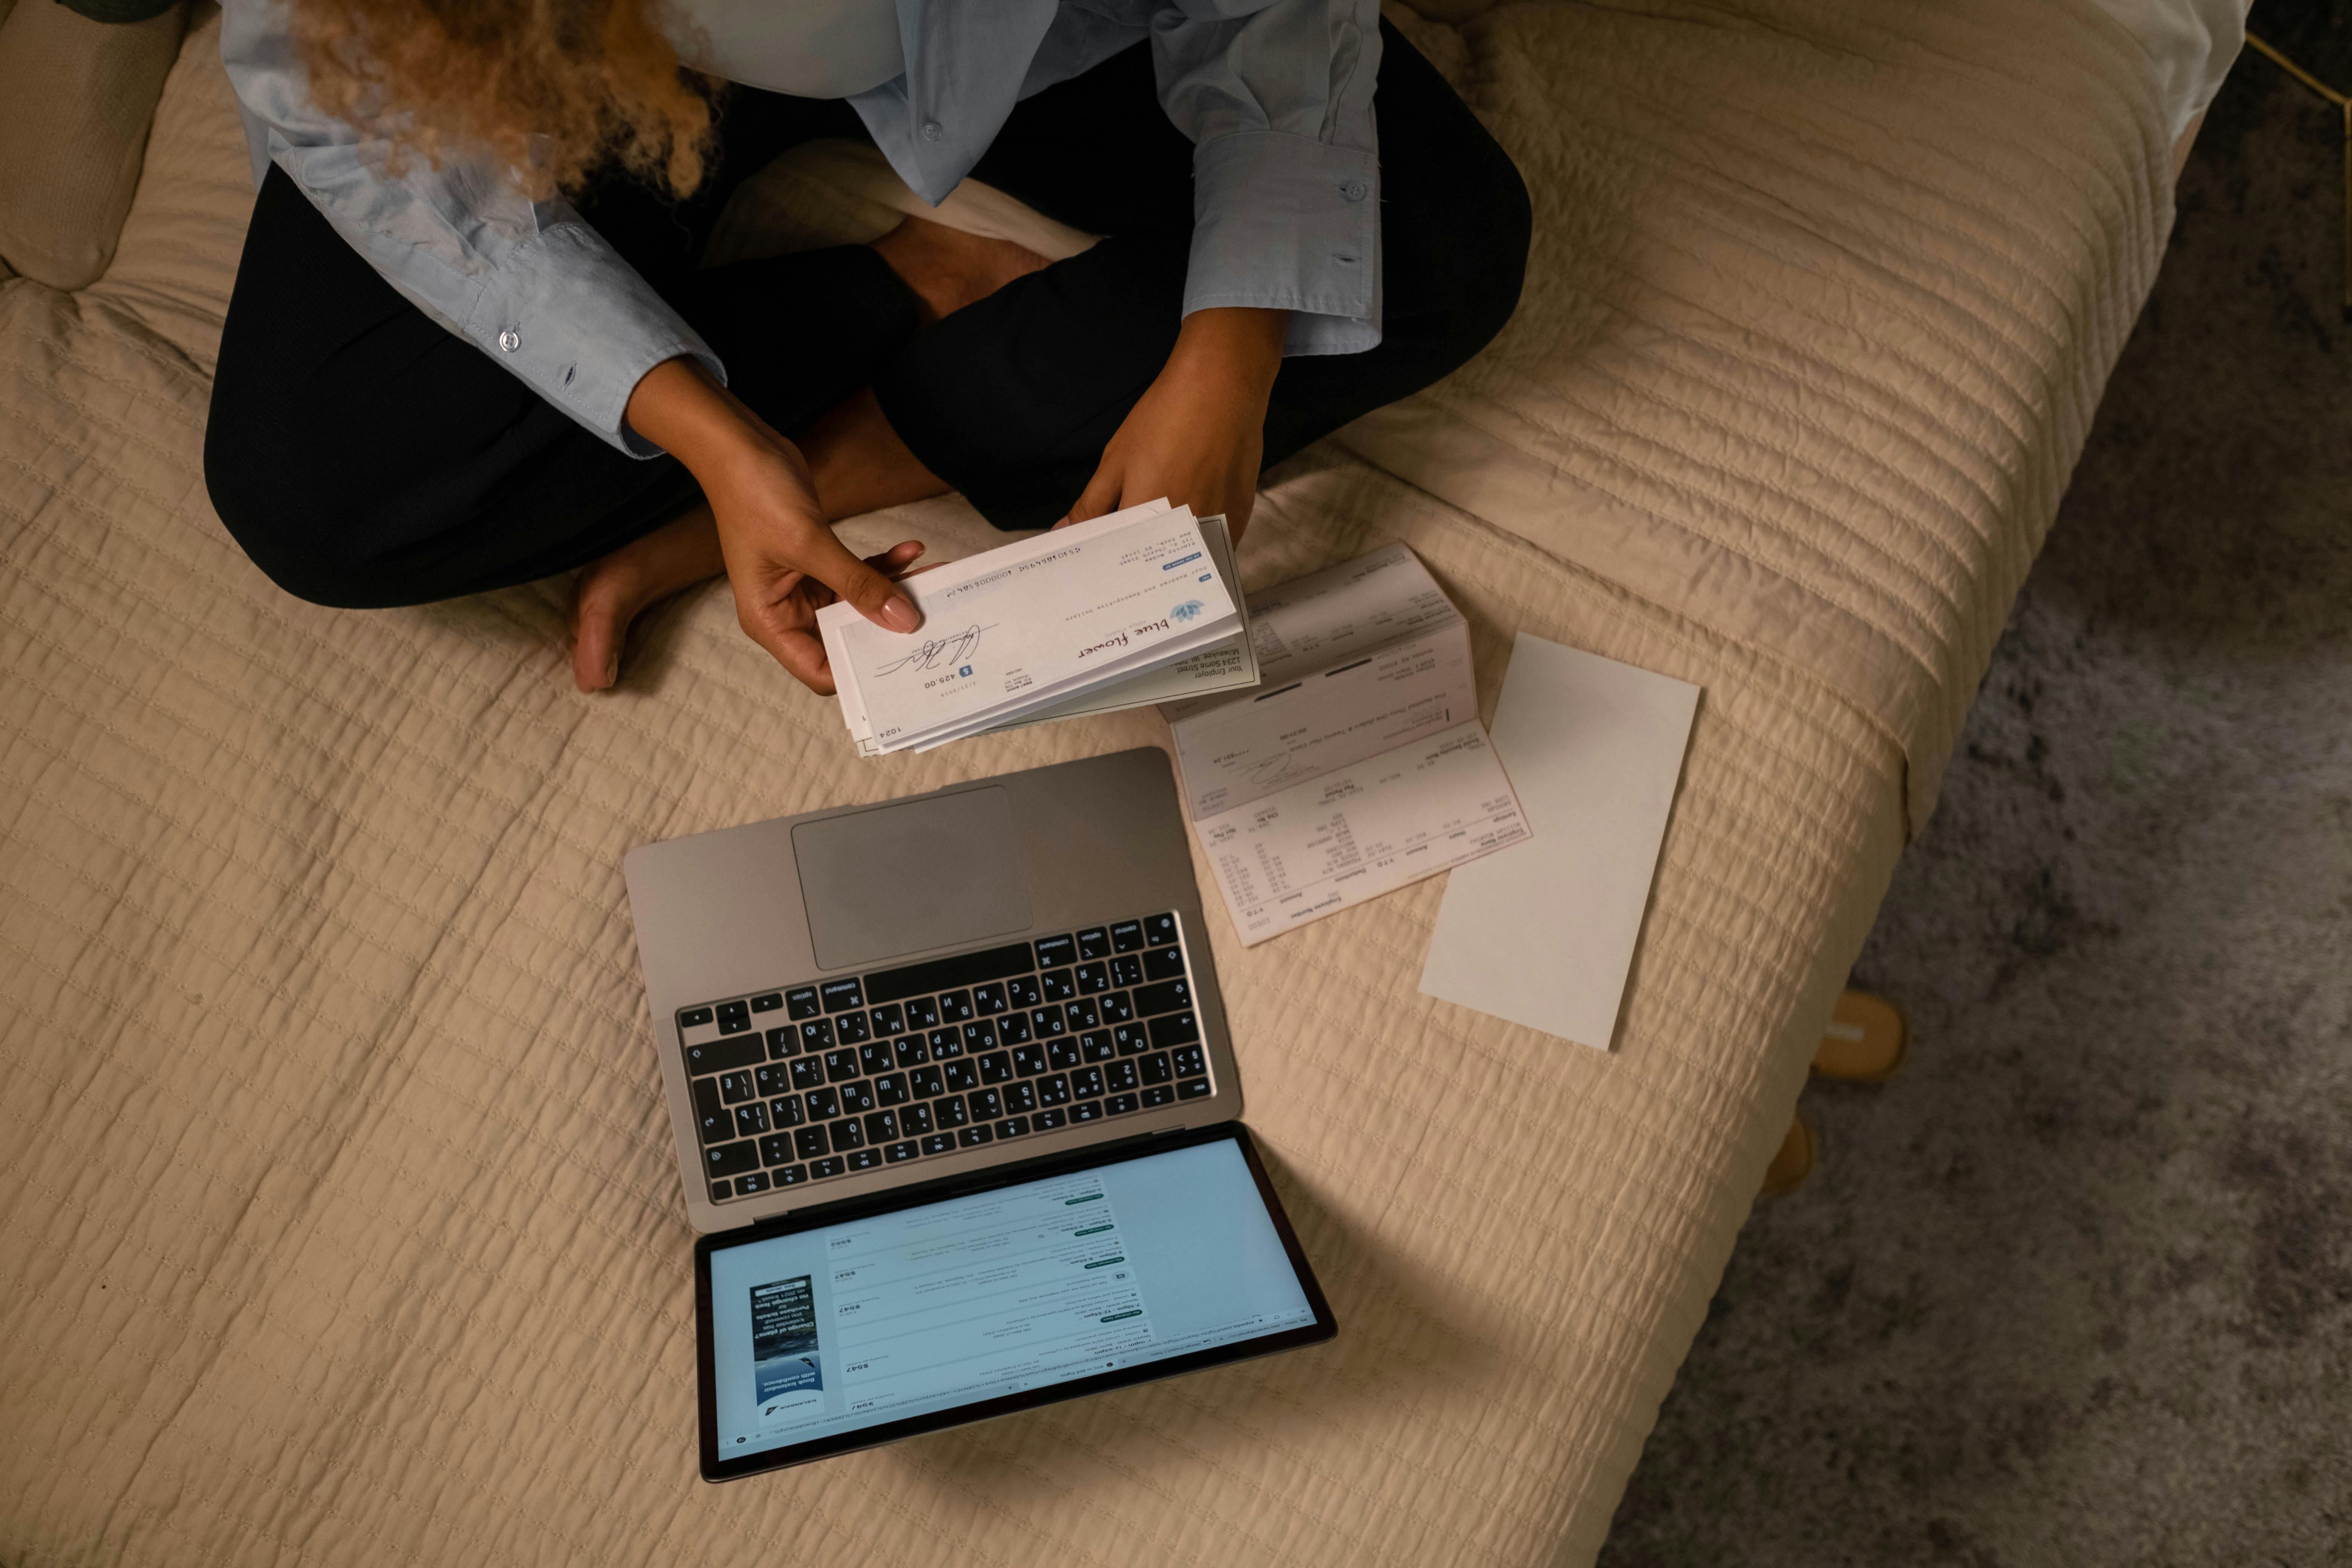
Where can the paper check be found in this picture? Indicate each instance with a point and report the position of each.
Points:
(1021, 627)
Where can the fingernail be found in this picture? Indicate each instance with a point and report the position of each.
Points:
(613, 670)
(900, 614)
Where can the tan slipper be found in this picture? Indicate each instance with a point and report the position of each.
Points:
(1799, 1152)
(1865, 1042)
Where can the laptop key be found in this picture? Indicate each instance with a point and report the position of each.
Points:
(1096, 1046)
(1160, 929)
(823, 1104)
(723, 1056)
(731, 1159)
(1192, 1089)
(784, 1110)
(863, 1159)
(1024, 990)
(1127, 936)
(1086, 1111)
(734, 1017)
(1171, 1029)
(1132, 1038)
(1086, 1083)
(774, 1079)
(1057, 986)
(846, 1133)
(910, 1052)
(716, 1121)
(922, 1013)
(875, 1057)
(840, 995)
(939, 974)
(1163, 964)
(809, 1143)
(981, 1035)
(816, 1035)
(734, 1088)
(1046, 1022)
(752, 1120)
(800, 1003)
(1054, 1090)
(808, 1072)
(841, 1065)
(1063, 1054)
(946, 1042)
(750, 1183)
(1081, 1014)
(960, 1075)
(1021, 1098)
(1155, 1067)
(1029, 1061)
(768, 1003)
(1091, 979)
(1126, 972)
(890, 1089)
(1121, 1074)
(939, 1144)
(987, 1104)
(887, 1021)
(973, 1137)
(996, 1066)
(988, 998)
(1159, 1094)
(1012, 1127)
(1190, 1062)
(820, 1168)
(949, 1112)
(693, 1017)
(722, 1191)
(1012, 1028)
(783, 1041)
(1054, 949)
(1167, 997)
(915, 1120)
(882, 1127)
(907, 1150)
(1116, 1008)
(1120, 1104)
(1047, 1120)
(788, 1175)
(858, 1098)
(1095, 942)
(955, 1007)
(850, 1029)
(927, 1083)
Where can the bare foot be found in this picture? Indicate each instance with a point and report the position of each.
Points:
(949, 269)
(675, 556)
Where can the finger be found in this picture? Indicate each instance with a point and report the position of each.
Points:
(799, 650)
(1098, 497)
(828, 561)
(897, 559)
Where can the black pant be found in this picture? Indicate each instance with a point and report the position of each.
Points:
(364, 456)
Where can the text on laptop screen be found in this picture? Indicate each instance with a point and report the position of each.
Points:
(823, 1331)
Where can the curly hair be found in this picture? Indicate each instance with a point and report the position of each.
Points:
(554, 90)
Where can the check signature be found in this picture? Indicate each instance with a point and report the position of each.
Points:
(934, 652)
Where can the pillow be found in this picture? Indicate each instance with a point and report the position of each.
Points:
(76, 96)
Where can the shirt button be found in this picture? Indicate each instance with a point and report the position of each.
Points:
(931, 131)
(1355, 190)
(509, 340)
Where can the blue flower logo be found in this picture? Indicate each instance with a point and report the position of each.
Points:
(1188, 610)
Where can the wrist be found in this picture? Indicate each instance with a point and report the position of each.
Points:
(1240, 343)
(680, 406)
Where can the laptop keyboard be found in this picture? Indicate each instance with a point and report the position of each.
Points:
(808, 1082)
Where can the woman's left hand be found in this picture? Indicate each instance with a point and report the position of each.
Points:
(1197, 434)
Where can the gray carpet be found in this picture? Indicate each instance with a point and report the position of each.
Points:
(2077, 1287)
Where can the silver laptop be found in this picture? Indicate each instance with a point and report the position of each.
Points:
(986, 1012)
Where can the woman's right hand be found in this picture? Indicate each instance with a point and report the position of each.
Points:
(782, 560)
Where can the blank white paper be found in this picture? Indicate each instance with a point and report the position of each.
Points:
(1542, 934)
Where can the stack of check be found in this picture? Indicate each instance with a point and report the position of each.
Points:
(1137, 607)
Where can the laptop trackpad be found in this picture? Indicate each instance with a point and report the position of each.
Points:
(901, 878)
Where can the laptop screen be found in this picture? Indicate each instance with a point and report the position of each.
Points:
(914, 1317)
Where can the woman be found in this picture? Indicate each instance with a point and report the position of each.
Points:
(470, 346)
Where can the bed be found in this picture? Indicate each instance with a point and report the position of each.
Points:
(340, 1220)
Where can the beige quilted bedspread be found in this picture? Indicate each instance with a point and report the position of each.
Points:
(340, 1221)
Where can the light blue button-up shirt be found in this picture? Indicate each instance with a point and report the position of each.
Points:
(1277, 96)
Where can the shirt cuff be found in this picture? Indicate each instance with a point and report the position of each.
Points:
(1284, 222)
(577, 325)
